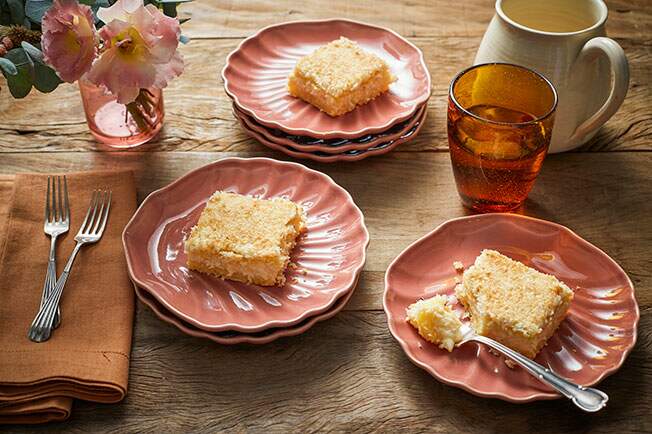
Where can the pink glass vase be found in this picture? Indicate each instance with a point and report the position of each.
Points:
(121, 126)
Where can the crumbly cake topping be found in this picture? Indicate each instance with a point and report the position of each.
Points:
(339, 66)
(247, 226)
(513, 294)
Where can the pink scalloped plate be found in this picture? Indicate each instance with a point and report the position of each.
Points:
(332, 146)
(232, 337)
(591, 343)
(329, 256)
(255, 77)
(352, 155)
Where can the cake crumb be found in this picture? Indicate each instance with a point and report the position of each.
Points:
(494, 352)
(459, 267)
(510, 363)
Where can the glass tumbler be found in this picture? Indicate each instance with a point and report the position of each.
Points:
(500, 119)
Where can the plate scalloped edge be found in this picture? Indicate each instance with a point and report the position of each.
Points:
(235, 327)
(463, 385)
(336, 133)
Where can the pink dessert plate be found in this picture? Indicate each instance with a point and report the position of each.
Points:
(329, 255)
(591, 343)
(352, 155)
(232, 337)
(331, 146)
(255, 77)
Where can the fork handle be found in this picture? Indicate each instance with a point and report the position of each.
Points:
(586, 398)
(51, 278)
(41, 327)
(50, 281)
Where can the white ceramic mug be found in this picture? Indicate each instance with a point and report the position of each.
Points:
(565, 41)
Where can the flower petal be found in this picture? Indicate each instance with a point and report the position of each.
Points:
(69, 39)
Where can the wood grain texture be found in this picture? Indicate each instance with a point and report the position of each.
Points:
(237, 18)
(405, 195)
(347, 374)
(344, 375)
(199, 118)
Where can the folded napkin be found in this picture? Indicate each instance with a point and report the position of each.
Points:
(87, 357)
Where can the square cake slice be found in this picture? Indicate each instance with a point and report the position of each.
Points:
(339, 76)
(245, 239)
(513, 303)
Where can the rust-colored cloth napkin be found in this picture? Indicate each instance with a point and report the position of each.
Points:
(87, 357)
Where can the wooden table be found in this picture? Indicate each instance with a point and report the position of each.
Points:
(348, 374)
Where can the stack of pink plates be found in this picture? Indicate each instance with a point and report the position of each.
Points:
(329, 256)
(255, 77)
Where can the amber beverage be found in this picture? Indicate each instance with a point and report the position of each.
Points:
(500, 120)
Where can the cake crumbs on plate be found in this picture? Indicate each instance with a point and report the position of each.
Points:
(459, 267)
(510, 363)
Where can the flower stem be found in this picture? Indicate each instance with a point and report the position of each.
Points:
(142, 110)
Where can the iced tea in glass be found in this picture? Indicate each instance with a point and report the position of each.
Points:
(500, 119)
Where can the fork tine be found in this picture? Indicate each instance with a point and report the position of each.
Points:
(65, 193)
(91, 220)
(92, 230)
(53, 201)
(47, 202)
(106, 214)
(60, 199)
(88, 213)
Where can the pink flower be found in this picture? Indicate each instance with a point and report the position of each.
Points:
(140, 49)
(69, 39)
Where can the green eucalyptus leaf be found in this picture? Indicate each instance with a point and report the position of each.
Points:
(35, 9)
(8, 67)
(32, 52)
(183, 20)
(17, 10)
(45, 79)
(21, 83)
(5, 15)
(170, 9)
(18, 57)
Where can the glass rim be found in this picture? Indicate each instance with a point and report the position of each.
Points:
(549, 113)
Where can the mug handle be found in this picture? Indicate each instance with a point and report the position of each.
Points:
(619, 68)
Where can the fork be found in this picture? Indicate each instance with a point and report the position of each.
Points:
(586, 398)
(91, 231)
(57, 222)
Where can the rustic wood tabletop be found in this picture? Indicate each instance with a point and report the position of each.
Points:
(348, 373)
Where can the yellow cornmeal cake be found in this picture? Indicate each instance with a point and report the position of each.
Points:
(513, 303)
(339, 76)
(245, 239)
(436, 321)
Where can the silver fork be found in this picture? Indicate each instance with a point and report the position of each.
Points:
(586, 398)
(91, 231)
(57, 222)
